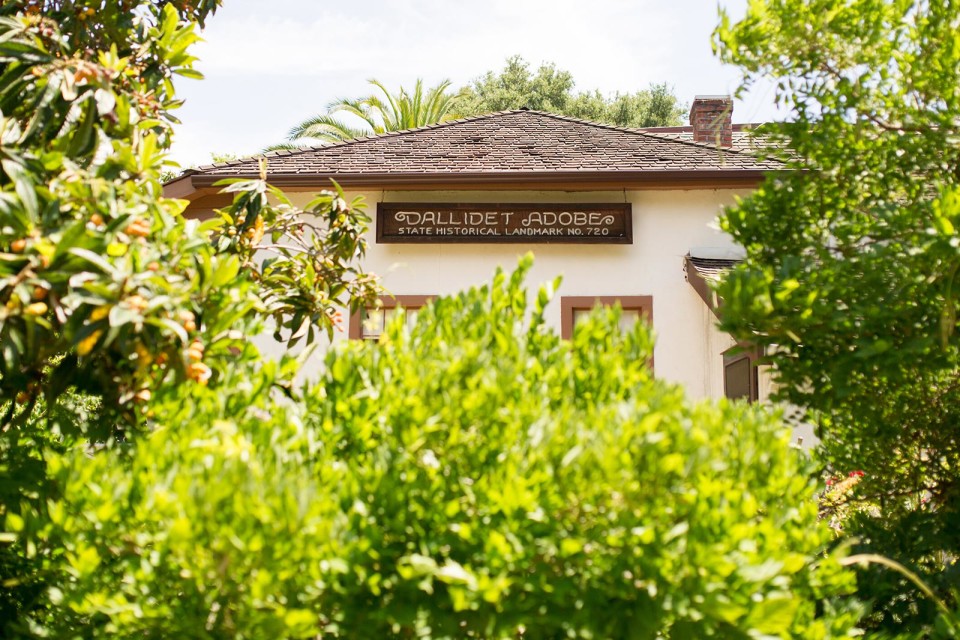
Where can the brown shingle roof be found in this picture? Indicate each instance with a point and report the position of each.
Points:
(509, 143)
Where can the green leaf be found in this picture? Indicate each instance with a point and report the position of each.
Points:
(97, 261)
(120, 314)
(774, 615)
(169, 325)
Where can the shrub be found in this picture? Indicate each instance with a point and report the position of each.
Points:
(475, 477)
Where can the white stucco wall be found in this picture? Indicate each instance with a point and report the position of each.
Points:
(666, 224)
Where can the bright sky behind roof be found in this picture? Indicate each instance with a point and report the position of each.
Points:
(271, 63)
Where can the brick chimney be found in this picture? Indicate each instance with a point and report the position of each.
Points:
(712, 120)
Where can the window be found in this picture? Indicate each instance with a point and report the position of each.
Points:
(574, 308)
(370, 323)
(740, 379)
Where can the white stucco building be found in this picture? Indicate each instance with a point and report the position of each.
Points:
(617, 212)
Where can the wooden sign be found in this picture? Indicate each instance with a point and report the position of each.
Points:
(609, 223)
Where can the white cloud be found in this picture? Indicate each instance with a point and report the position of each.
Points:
(456, 39)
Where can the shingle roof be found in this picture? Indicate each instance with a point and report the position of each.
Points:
(501, 144)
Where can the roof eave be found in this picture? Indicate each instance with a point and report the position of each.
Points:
(184, 188)
(187, 185)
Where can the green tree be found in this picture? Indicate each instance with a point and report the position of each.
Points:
(515, 86)
(107, 294)
(850, 282)
(549, 90)
(101, 275)
(376, 113)
(552, 90)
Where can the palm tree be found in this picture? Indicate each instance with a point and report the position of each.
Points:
(379, 114)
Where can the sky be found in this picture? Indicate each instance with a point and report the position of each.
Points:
(272, 63)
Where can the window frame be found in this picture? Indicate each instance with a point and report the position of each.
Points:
(407, 301)
(569, 305)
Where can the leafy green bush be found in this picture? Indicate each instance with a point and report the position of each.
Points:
(475, 477)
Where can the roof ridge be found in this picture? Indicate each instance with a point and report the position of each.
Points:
(737, 126)
(637, 131)
(353, 141)
(694, 143)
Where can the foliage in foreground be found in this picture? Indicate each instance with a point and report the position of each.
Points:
(107, 294)
(105, 287)
(475, 477)
(851, 276)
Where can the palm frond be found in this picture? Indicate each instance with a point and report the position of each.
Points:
(283, 146)
(324, 128)
(393, 111)
(380, 113)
